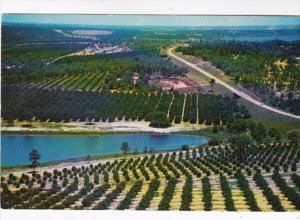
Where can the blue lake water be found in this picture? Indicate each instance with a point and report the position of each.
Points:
(260, 38)
(15, 149)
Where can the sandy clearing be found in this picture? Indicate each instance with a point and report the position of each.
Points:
(133, 126)
(117, 126)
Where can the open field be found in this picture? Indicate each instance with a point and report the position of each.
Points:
(265, 178)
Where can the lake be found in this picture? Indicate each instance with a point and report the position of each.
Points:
(15, 149)
(263, 35)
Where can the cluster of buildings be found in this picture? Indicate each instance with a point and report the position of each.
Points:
(105, 49)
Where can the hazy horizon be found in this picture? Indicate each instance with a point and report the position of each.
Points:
(152, 20)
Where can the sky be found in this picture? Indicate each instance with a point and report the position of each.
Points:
(151, 20)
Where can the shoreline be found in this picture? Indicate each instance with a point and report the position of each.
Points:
(63, 134)
(93, 159)
(28, 132)
(99, 128)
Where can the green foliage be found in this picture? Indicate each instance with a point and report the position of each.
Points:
(207, 196)
(255, 66)
(240, 140)
(259, 132)
(110, 197)
(215, 129)
(46, 204)
(186, 197)
(125, 147)
(32, 60)
(289, 192)
(226, 191)
(159, 120)
(185, 147)
(164, 204)
(34, 157)
(274, 133)
(244, 185)
(294, 136)
(268, 193)
(98, 192)
(214, 141)
(250, 63)
(210, 161)
(96, 178)
(146, 200)
(125, 203)
(296, 179)
(23, 104)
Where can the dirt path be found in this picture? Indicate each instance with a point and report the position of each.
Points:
(197, 105)
(158, 101)
(183, 108)
(170, 106)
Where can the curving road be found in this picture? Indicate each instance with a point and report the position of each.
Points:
(234, 90)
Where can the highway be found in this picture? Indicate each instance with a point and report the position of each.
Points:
(231, 88)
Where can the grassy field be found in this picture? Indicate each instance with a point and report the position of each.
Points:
(283, 125)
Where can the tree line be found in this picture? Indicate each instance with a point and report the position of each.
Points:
(56, 105)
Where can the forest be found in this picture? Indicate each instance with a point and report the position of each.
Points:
(268, 69)
(253, 63)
